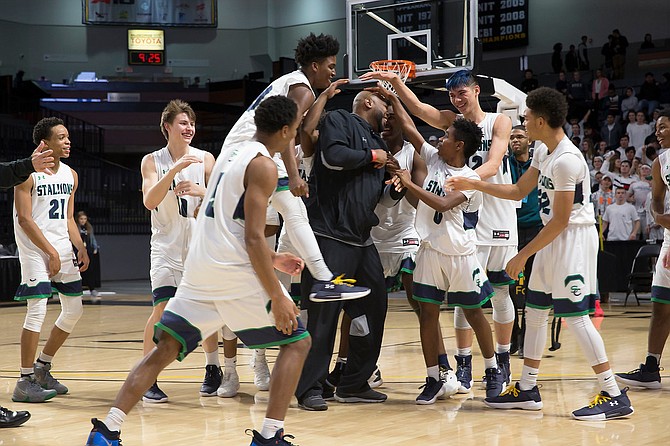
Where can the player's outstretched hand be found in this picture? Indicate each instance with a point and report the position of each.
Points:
(185, 161)
(334, 87)
(288, 263)
(459, 183)
(42, 159)
(380, 76)
(285, 314)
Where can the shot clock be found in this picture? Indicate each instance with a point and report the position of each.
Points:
(146, 47)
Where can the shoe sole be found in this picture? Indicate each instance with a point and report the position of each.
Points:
(604, 416)
(653, 385)
(27, 399)
(226, 395)
(153, 401)
(526, 405)
(18, 422)
(439, 394)
(349, 296)
(207, 394)
(356, 399)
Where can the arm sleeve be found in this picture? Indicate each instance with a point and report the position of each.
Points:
(336, 151)
(15, 172)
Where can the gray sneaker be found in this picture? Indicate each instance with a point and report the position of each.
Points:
(27, 390)
(46, 380)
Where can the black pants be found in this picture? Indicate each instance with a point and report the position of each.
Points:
(368, 315)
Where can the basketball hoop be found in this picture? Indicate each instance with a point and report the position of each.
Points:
(405, 69)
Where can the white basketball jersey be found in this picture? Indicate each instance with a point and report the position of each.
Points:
(497, 219)
(245, 127)
(50, 197)
(172, 220)
(564, 169)
(218, 244)
(395, 232)
(451, 232)
(664, 164)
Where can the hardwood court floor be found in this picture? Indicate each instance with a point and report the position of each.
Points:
(106, 344)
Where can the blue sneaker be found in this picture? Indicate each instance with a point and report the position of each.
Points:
(495, 381)
(101, 436)
(515, 398)
(336, 289)
(464, 373)
(505, 367)
(642, 377)
(605, 407)
(432, 390)
(280, 438)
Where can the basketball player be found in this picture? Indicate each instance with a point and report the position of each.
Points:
(173, 186)
(648, 375)
(564, 269)
(317, 59)
(229, 279)
(45, 231)
(12, 174)
(496, 229)
(447, 259)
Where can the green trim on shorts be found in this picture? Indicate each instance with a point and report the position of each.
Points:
(539, 307)
(658, 300)
(164, 299)
(509, 282)
(429, 301)
(281, 188)
(175, 335)
(406, 271)
(35, 296)
(471, 307)
(280, 342)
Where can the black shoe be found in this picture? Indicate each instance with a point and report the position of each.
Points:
(101, 436)
(505, 367)
(495, 382)
(154, 395)
(313, 402)
(212, 382)
(366, 396)
(333, 379)
(337, 289)
(328, 393)
(280, 438)
(10, 418)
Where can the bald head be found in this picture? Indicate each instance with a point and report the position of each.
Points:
(371, 107)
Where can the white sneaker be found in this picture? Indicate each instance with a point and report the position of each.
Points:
(451, 384)
(375, 379)
(261, 371)
(229, 385)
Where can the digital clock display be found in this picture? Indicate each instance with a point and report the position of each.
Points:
(137, 57)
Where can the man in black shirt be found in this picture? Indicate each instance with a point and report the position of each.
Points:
(346, 183)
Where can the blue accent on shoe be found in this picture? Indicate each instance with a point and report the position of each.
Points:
(464, 373)
(432, 390)
(101, 436)
(495, 381)
(337, 289)
(505, 367)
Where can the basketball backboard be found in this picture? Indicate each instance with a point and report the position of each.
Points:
(437, 35)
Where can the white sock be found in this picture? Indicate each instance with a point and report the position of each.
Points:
(502, 348)
(270, 427)
(115, 418)
(607, 383)
(467, 351)
(230, 363)
(45, 358)
(27, 370)
(259, 353)
(434, 372)
(528, 378)
(212, 358)
(490, 363)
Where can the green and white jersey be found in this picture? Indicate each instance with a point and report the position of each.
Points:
(172, 220)
(50, 197)
(564, 169)
(664, 162)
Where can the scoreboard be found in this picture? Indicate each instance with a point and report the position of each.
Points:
(146, 47)
(503, 24)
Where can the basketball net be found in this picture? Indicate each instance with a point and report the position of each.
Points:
(403, 68)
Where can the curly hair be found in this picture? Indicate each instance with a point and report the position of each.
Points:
(467, 131)
(274, 113)
(175, 107)
(315, 48)
(42, 129)
(549, 104)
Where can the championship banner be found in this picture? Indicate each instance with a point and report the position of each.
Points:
(199, 13)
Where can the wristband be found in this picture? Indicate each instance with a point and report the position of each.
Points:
(374, 155)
